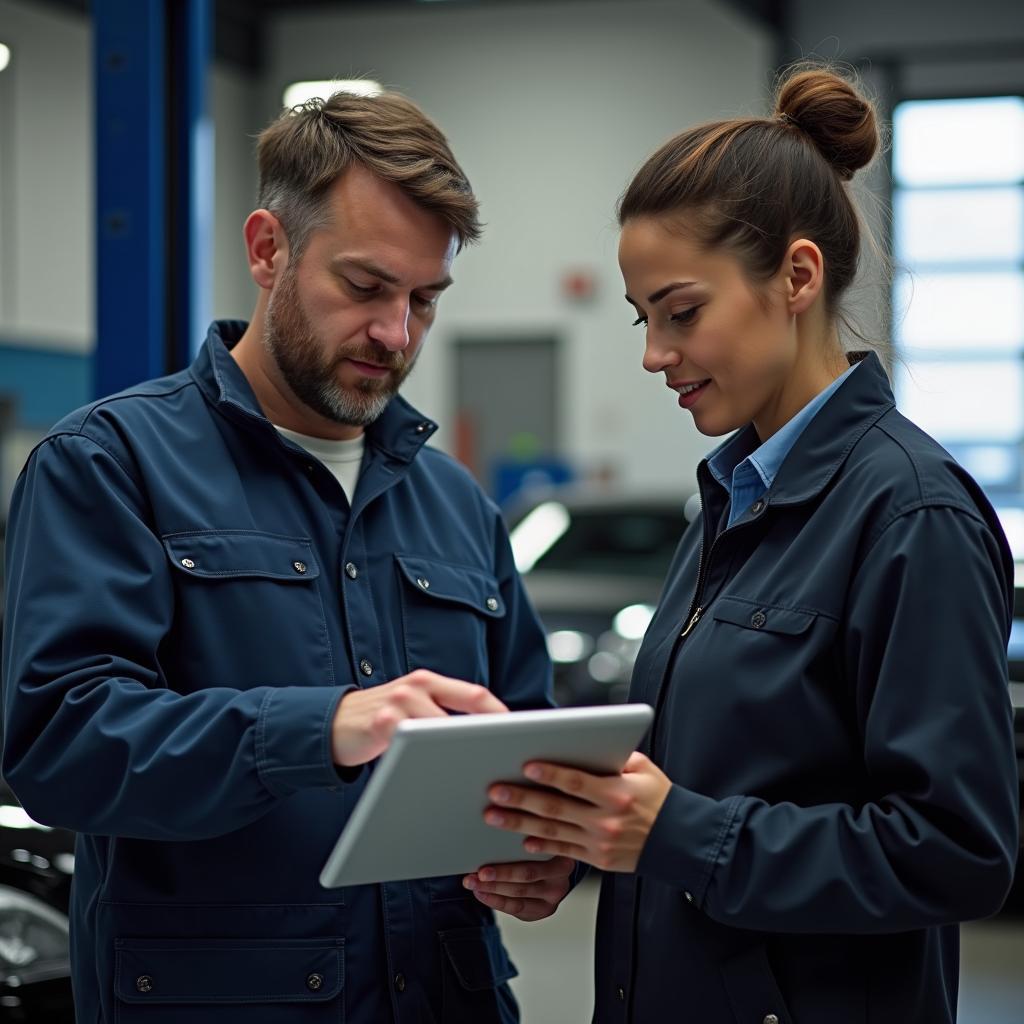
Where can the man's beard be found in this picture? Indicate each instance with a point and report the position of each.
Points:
(288, 337)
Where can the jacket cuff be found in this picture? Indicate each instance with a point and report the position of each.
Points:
(293, 739)
(688, 840)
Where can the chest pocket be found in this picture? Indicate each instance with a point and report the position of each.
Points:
(761, 642)
(248, 610)
(446, 612)
(763, 618)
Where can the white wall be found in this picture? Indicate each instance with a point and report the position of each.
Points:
(46, 205)
(235, 103)
(550, 108)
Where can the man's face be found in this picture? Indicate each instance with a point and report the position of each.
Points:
(344, 326)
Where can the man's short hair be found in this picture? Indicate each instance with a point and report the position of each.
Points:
(304, 151)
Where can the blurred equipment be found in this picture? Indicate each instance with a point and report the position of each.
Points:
(593, 562)
(507, 412)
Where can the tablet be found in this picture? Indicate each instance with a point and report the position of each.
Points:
(421, 813)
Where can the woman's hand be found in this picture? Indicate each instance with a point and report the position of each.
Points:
(601, 820)
(529, 890)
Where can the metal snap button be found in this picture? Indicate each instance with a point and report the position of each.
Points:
(144, 983)
(422, 428)
(621, 993)
(770, 1018)
(299, 567)
(758, 619)
(688, 895)
(366, 668)
(423, 583)
(351, 571)
(492, 604)
(400, 982)
(315, 982)
(188, 563)
(757, 507)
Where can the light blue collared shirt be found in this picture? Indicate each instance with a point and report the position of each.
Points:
(746, 479)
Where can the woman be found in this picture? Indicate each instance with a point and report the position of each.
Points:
(830, 783)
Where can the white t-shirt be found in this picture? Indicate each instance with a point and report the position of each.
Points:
(342, 458)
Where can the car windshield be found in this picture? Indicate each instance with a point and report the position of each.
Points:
(620, 541)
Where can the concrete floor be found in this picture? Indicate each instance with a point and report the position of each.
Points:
(554, 961)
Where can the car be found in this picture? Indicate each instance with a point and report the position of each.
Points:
(36, 865)
(593, 564)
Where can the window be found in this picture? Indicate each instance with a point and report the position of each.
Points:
(958, 296)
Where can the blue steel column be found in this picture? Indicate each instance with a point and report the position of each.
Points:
(131, 221)
(154, 158)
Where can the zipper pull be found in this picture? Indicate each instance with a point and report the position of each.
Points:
(693, 622)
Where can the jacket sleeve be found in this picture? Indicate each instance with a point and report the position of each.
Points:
(94, 739)
(924, 648)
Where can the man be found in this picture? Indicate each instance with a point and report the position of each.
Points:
(226, 588)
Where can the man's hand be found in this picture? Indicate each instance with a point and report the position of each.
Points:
(600, 820)
(366, 719)
(529, 890)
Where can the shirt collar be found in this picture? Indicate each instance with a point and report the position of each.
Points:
(858, 403)
(400, 431)
(767, 458)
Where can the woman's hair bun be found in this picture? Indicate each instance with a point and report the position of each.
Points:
(836, 117)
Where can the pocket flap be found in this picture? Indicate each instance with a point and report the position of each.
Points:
(766, 618)
(229, 970)
(222, 554)
(477, 957)
(474, 588)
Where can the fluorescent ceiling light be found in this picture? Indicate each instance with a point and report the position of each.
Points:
(303, 92)
(535, 535)
(5, 56)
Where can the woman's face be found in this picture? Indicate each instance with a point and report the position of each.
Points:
(730, 353)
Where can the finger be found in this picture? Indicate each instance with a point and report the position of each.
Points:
(636, 762)
(529, 825)
(411, 701)
(556, 847)
(524, 909)
(383, 725)
(457, 695)
(527, 870)
(571, 781)
(543, 803)
(551, 891)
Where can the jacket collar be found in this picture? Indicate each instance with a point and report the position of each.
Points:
(400, 431)
(859, 402)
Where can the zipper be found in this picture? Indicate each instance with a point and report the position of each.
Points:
(696, 610)
(694, 619)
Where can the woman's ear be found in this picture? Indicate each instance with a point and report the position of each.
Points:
(804, 269)
(266, 247)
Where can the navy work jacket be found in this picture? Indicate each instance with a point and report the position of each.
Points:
(190, 595)
(837, 727)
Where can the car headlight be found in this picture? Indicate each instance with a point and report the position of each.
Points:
(31, 932)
